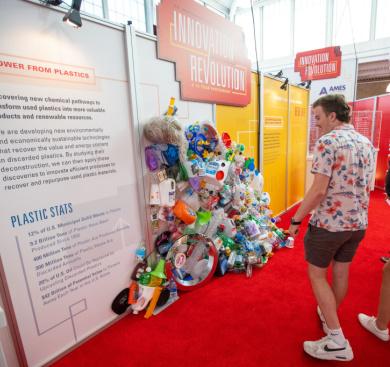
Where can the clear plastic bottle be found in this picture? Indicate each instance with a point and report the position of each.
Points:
(172, 289)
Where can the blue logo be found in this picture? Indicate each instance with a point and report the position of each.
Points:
(323, 91)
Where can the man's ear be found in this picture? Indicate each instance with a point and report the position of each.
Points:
(332, 116)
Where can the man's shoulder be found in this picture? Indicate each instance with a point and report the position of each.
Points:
(366, 141)
(327, 139)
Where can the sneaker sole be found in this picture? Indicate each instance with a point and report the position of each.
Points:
(330, 356)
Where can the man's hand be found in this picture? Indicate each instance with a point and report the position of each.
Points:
(293, 229)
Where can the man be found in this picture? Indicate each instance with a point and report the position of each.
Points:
(343, 165)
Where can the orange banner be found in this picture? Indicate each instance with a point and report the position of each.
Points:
(211, 59)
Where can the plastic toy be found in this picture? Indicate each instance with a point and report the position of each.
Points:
(153, 302)
(145, 295)
(201, 261)
(164, 130)
(158, 272)
(167, 189)
(171, 108)
(216, 172)
(227, 141)
(154, 197)
(163, 243)
(120, 303)
(133, 293)
(184, 212)
(167, 297)
(151, 159)
(208, 211)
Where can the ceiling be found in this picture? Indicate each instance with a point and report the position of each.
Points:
(230, 7)
(376, 70)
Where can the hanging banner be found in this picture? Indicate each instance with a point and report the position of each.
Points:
(324, 63)
(210, 54)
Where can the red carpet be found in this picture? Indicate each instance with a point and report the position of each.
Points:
(262, 321)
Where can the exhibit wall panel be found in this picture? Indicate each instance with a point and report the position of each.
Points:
(155, 85)
(69, 202)
(297, 144)
(383, 109)
(242, 123)
(275, 130)
(365, 120)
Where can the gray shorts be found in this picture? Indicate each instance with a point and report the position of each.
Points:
(323, 246)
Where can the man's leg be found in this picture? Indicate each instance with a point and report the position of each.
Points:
(324, 295)
(383, 318)
(334, 346)
(340, 273)
(379, 325)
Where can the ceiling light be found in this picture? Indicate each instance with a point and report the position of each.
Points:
(305, 84)
(279, 74)
(284, 85)
(73, 16)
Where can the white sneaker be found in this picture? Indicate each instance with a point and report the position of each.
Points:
(323, 322)
(326, 348)
(368, 322)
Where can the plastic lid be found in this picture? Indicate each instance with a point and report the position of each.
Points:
(220, 175)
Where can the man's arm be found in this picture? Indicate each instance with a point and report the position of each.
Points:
(311, 200)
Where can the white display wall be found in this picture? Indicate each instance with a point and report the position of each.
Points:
(155, 85)
(69, 213)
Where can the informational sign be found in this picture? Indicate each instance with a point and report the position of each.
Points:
(324, 63)
(297, 144)
(242, 124)
(211, 59)
(69, 218)
(275, 143)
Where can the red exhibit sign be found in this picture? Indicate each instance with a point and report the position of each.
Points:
(209, 51)
(324, 63)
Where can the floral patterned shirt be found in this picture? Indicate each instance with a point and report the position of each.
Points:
(348, 159)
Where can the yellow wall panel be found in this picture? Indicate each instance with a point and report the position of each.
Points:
(275, 126)
(297, 144)
(242, 123)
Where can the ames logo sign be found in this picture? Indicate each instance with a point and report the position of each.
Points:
(324, 63)
(210, 54)
(333, 89)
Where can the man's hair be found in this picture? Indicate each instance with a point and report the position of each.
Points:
(334, 103)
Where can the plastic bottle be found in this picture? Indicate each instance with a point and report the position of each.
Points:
(172, 289)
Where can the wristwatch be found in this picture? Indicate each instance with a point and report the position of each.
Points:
(295, 222)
